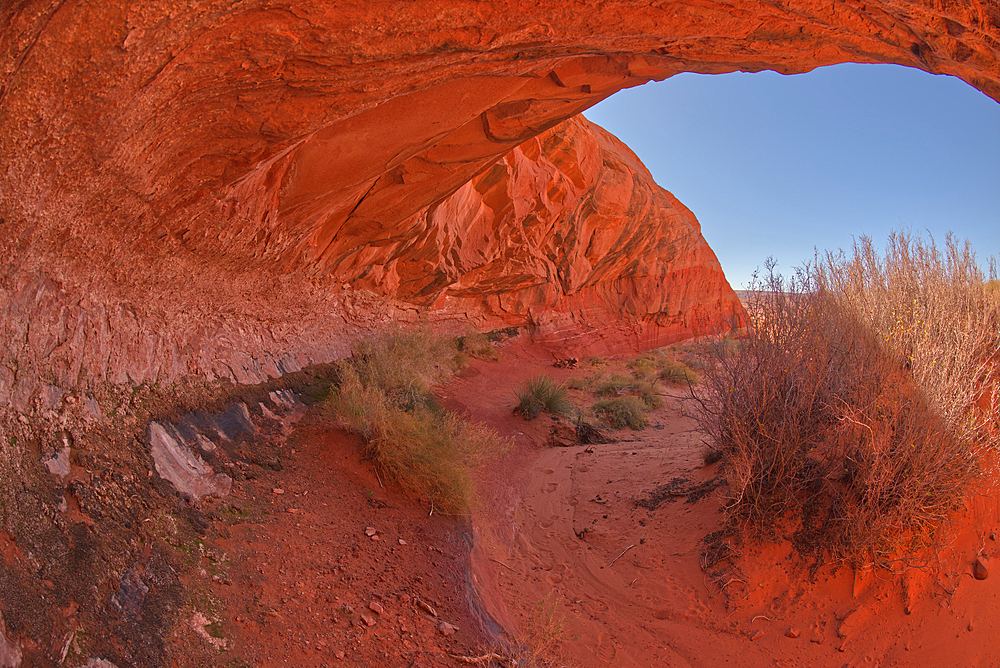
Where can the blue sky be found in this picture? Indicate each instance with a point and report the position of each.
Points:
(778, 165)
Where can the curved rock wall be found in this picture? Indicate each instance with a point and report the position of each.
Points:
(568, 233)
(180, 181)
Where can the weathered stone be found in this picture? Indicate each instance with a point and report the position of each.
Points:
(426, 607)
(58, 463)
(981, 567)
(96, 662)
(177, 463)
(10, 650)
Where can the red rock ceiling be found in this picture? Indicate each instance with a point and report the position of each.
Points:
(181, 182)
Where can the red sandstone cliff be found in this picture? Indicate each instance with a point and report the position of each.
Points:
(567, 233)
(177, 179)
(238, 189)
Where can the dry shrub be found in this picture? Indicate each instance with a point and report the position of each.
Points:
(649, 392)
(613, 385)
(540, 646)
(543, 634)
(678, 373)
(621, 412)
(478, 345)
(933, 311)
(384, 395)
(850, 402)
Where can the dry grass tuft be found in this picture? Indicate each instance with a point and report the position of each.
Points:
(850, 403)
(678, 373)
(478, 345)
(539, 647)
(384, 395)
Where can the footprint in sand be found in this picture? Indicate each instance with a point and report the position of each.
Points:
(548, 471)
(555, 576)
(550, 487)
(545, 524)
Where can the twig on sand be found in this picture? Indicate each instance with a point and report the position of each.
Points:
(620, 555)
(477, 659)
(497, 561)
(952, 591)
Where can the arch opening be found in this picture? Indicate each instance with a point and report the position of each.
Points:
(777, 166)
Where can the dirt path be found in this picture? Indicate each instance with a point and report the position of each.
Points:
(614, 535)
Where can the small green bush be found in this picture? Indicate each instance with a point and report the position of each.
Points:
(693, 361)
(614, 385)
(647, 366)
(541, 394)
(649, 393)
(621, 412)
(678, 373)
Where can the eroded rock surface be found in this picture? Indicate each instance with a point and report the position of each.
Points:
(178, 182)
(568, 231)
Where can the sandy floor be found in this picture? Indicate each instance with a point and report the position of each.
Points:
(637, 584)
(600, 549)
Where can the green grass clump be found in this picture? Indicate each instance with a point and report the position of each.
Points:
(384, 395)
(621, 412)
(649, 393)
(541, 394)
(678, 373)
(646, 366)
(613, 385)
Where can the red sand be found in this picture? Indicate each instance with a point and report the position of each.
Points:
(559, 525)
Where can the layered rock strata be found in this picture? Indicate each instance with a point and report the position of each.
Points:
(178, 180)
